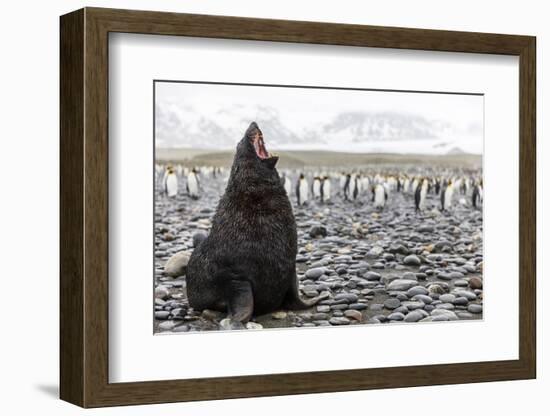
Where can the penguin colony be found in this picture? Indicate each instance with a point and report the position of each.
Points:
(428, 188)
(345, 213)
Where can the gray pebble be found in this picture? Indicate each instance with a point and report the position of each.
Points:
(391, 303)
(475, 308)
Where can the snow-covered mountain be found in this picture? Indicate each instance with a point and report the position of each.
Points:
(355, 131)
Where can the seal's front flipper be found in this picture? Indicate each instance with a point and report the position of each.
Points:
(240, 300)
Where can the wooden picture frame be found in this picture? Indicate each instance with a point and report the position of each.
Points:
(84, 207)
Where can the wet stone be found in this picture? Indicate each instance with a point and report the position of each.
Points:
(353, 314)
(339, 321)
(358, 306)
(475, 308)
(417, 290)
(391, 303)
(162, 314)
(411, 260)
(401, 284)
(315, 273)
(396, 316)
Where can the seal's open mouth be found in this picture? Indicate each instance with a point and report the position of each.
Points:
(256, 138)
(259, 146)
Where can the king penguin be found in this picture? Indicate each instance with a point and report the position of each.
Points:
(287, 184)
(420, 195)
(347, 186)
(325, 189)
(193, 184)
(447, 195)
(477, 194)
(357, 186)
(316, 187)
(379, 196)
(170, 182)
(302, 190)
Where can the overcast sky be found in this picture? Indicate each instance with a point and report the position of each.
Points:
(381, 121)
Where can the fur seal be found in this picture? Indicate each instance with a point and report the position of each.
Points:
(246, 265)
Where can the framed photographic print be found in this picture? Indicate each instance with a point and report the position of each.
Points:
(255, 207)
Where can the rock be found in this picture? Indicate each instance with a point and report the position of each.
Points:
(436, 289)
(475, 283)
(168, 236)
(323, 308)
(461, 301)
(315, 273)
(177, 264)
(444, 276)
(167, 325)
(392, 303)
(401, 284)
(459, 260)
(417, 290)
(229, 324)
(411, 260)
(396, 316)
(422, 298)
(161, 292)
(375, 252)
(279, 315)
(447, 297)
(449, 315)
(181, 328)
(318, 231)
(414, 316)
(373, 276)
(253, 325)
(162, 314)
(402, 309)
(353, 314)
(339, 321)
(178, 312)
(347, 297)
(412, 305)
(425, 228)
(399, 249)
(358, 306)
(475, 308)
(466, 294)
(409, 276)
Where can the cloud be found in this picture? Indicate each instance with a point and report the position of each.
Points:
(215, 117)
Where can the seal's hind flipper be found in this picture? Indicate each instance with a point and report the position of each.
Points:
(240, 300)
(295, 302)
